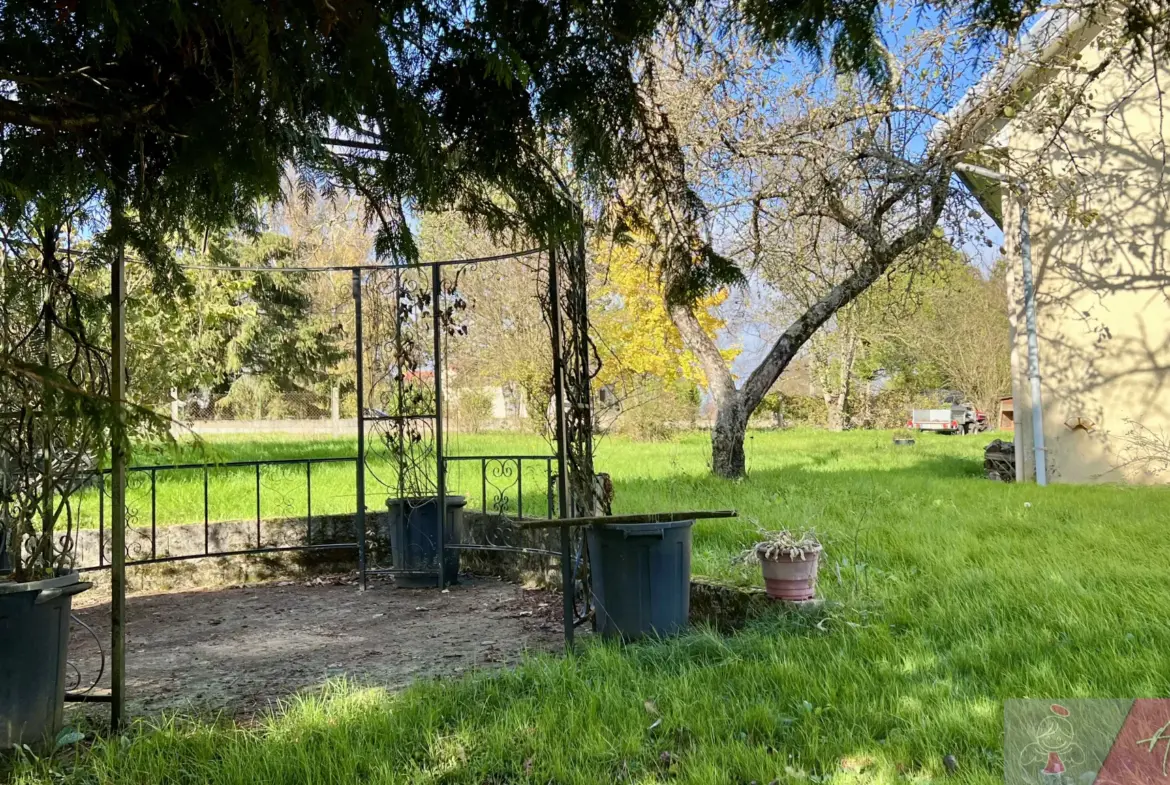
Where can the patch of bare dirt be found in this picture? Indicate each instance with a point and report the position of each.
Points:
(241, 649)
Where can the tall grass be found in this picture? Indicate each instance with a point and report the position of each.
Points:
(949, 594)
(180, 496)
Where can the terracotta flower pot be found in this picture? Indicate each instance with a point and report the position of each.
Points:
(791, 578)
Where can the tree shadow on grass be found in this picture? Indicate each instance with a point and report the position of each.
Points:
(970, 598)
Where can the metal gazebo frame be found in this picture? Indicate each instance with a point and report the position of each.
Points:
(564, 303)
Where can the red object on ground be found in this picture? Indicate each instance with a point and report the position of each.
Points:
(1131, 760)
(1055, 764)
(1061, 710)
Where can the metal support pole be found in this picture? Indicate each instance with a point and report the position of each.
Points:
(1041, 458)
(118, 484)
(206, 513)
(102, 523)
(258, 505)
(5, 509)
(582, 329)
(47, 397)
(1040, 451)
(554, 296)
(584, 414)
(440, 476)
(359, 357)
(153, 513)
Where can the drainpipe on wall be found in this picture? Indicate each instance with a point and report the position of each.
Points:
(1037, 406)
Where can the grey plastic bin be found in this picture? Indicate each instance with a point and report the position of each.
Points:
(641, 577)
(414, 539)
(34, 643)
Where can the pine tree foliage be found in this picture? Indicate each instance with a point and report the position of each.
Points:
(187, 113)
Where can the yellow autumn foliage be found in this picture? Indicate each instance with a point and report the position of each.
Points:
(634, 332)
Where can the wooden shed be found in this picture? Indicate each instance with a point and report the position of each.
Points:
(1007, 414)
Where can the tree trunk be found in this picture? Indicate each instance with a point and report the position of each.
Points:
(734, 406)
(867, 405)
(731, 408)
(836, 411)
(727, 438)
(839, 401)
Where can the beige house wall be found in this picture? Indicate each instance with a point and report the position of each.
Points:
(1100, 249)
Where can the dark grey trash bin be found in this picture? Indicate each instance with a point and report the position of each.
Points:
(34, 643)
(414, 539)
(641, 576)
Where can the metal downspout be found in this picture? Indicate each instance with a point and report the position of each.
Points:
(1037, 405)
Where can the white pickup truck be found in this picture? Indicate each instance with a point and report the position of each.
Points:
(959, 418)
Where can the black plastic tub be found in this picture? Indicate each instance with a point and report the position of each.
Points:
(414, 539)
(641, 576)
(34, 641)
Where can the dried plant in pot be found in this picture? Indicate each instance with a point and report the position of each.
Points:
(789, 562)
(904, 437)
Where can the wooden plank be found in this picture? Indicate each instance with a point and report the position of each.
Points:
(648, 518)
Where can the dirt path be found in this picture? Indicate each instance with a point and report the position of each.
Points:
(241, 649)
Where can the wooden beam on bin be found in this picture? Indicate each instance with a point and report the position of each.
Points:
(633, 518)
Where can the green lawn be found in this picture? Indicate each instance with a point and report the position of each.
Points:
(231, 490)
(951, 594)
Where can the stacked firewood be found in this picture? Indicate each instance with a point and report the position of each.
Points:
(999, 461)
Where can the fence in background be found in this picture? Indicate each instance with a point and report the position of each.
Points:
(332, 412)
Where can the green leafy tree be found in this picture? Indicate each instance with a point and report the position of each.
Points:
(953, 334)
(223, 326)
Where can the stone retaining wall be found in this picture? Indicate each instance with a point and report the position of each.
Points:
(723, 607)
(226, 536)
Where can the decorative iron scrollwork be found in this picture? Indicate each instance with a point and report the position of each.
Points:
(502, 475)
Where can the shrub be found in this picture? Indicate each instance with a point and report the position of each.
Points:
(653, 410)
(473, 409)
(790, 411)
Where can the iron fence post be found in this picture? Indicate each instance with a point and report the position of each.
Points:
(206, 516)
(441, 480)
(153, 515)
(359, 361)
(118, 481)
(102, 523)
(562, 448)
(258, 537)
(309, 502)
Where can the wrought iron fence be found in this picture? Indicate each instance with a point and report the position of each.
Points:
(242, 536)
(161, 530)
(501, 479)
